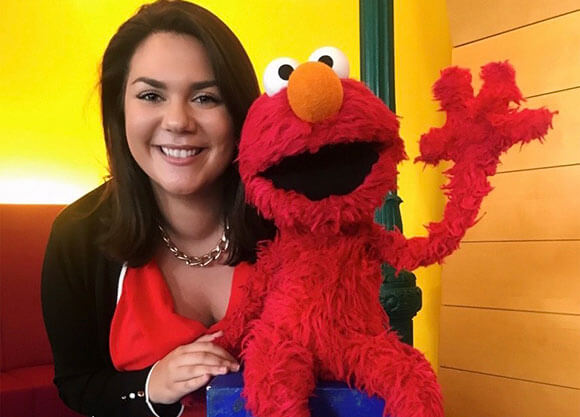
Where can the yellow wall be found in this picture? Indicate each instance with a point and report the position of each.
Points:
(270, 29)
(422, 49)
(52, 147)
(51, 140)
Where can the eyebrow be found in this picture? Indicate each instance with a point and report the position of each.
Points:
(161, 85)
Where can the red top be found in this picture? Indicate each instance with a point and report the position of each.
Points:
(145, 326)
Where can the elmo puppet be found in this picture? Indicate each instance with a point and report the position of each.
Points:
(318, 154)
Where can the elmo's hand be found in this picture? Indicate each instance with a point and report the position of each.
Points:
(478, 129)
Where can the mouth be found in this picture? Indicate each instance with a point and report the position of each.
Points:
(180, 153)
(334, 170)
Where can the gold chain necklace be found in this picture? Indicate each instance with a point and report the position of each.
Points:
(199, 261)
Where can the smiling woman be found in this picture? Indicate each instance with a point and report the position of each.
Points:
(178, 127)
(140, 273)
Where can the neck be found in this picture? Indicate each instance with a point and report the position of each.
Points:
(194, 222)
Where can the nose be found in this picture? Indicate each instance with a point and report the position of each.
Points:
(177, 117)
(314, 92)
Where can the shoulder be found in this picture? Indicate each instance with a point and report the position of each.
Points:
(87, 210)
(73, 249)
(77, 228)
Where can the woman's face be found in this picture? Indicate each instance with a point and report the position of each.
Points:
(178, 128)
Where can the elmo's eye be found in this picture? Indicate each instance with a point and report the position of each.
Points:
(334, 58)
(277, 74)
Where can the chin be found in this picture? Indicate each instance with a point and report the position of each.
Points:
(177, 188)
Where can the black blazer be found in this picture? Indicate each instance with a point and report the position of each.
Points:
(79, 295)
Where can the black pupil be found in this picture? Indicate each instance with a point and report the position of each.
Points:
(325, 59)
(284, 71)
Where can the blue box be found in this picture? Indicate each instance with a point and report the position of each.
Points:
(331, 399)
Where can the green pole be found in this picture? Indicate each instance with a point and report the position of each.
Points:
(399, 296)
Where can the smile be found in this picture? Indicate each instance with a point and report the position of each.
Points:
(334, 170)
(180, 153)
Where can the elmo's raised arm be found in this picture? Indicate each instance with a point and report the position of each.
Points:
(477, 131)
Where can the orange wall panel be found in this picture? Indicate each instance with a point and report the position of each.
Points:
(468, 394)
(533, 276)
(544, 55)
(476, 19)
(532, 346)
(510, 320)
(537, 204)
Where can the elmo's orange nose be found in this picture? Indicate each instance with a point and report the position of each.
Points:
(314, 92)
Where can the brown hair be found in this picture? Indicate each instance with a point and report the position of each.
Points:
(131, 234)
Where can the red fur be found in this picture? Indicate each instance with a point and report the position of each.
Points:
(315, 290)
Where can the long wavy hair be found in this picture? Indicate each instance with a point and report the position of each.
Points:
(131, 234)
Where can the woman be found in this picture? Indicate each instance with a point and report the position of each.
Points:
(130, 312)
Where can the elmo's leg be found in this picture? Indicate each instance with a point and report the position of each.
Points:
(396, 372)
(278, 375)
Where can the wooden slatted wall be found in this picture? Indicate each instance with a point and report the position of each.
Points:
(510, 318)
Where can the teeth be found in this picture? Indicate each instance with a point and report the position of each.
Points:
(180, 153)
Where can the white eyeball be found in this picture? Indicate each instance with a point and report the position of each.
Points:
(277, 74)
(334, 58)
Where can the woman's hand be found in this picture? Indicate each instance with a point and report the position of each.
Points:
(188, 368)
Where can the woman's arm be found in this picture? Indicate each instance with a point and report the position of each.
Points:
(75, 294)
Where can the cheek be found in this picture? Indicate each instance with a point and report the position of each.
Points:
(225, 130)
(229, 144)
(219, 130)
(130, 125)
(138, 125)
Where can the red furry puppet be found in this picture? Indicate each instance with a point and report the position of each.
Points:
(318, 154)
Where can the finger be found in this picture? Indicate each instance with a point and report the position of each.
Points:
(195, 371)
(194, 384)
(206, 358)
(209, 347)
(209, 337)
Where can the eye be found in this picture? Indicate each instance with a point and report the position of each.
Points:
(206, 100)
(150, 96)
(334, 58)
(277, 74)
